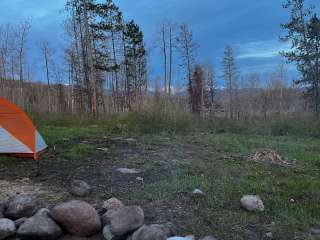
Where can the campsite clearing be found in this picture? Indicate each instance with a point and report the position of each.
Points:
(170, 167)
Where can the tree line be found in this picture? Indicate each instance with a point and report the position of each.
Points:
(106, 68)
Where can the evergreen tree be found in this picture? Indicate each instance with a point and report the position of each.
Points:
(135, 60)
(304, 33)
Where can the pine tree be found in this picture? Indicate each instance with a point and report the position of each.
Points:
(135, 61)
(304, 33)
(195, 90)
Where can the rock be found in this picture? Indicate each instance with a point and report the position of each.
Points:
(190, 237)
(21, 205)
(19, 221)
(103, 149)
(140, 179)
(39, 227)
(107, 234)
(112, 203)
(80, 188)
(126, 220)
(44, 212)
(269, 235)
(152, 232)
(198, 193)
(7, 228)
(77, 217)
(252, 203)
(315, 231)
(209, 238)
(127, 171)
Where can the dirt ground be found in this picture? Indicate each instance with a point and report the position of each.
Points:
(170, 167)
(49, 179)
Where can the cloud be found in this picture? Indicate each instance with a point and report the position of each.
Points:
(260, 49)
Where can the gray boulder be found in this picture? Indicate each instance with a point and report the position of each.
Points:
(152, 232)
(7, 228)
(39, 227)
(252, 203)
(77, 218)
(126, 220)
(80, 188)
(21, 205)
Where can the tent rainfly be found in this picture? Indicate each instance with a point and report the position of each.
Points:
(18, 135)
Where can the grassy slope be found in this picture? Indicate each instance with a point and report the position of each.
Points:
(216, 163)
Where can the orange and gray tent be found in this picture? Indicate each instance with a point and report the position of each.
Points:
(18, 135)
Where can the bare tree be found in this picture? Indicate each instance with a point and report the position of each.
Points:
(187, 49)
(47, 54)
(230, 77)
(22, 32)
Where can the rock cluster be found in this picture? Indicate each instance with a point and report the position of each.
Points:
(22, 217)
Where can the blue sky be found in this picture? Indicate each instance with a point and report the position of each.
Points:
(252, 27)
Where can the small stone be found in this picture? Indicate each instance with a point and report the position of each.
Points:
(103, 149)
(107, 234)
(21, 205)
(269, 235)
(252, 203)
(315, 231)
(7, 228)
(128, 171)
(140, 179)
(80, 188)
(198, 193)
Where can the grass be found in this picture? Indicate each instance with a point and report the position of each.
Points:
(225, 177)
(184, 153)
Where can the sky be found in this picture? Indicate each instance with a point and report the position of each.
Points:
(251, 27)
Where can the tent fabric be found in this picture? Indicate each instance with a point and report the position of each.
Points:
(18, 135)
